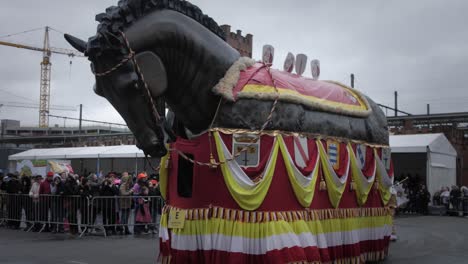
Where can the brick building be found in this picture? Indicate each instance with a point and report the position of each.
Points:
(453, 125)
(239, 42)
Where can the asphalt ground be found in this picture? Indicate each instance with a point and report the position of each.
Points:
(430, 239)
(422, 239)
(19, 247)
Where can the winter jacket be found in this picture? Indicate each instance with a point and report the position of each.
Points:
(59, 189)
(85, 191)
(13, 186)
(125, 193)
(25, 185)
(45, 187)
(95, 186)
(109, 190)
(70, 187)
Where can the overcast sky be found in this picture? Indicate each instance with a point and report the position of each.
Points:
(419, 48)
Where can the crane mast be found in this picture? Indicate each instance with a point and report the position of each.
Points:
(44, 97)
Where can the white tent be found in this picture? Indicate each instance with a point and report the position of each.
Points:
(122, 151)
(120, 158)
(439, 155)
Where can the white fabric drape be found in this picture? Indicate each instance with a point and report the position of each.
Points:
(238, 174)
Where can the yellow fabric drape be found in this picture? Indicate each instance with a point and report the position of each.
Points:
(334, 189)
(163, 172)
(304, 194)
(247, 198)
(362, 187)
(385, 192)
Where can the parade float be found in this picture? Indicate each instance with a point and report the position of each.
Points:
(258, 165)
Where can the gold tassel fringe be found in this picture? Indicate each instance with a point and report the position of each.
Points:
(323, 185)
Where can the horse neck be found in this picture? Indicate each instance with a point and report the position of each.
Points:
(195, 61)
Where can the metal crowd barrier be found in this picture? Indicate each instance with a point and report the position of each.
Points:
(81, 215)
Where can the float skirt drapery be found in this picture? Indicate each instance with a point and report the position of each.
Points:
(220, 235)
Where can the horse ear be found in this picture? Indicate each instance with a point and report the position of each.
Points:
(153, 71)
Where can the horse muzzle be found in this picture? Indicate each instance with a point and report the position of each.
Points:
(151, 144)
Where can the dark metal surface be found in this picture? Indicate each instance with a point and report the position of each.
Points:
(194, 58)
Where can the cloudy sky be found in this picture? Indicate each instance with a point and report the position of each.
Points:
(418, 48)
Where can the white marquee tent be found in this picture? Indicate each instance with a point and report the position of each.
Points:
(120, 158)
(122, 151)
(435, 152)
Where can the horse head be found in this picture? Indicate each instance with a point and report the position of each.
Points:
(118, 81)
(145, 50)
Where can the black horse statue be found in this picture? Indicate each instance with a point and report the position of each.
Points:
(182, 55)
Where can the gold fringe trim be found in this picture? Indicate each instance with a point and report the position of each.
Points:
(289, 216)
(273, 133)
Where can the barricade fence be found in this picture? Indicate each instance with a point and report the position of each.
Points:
(81, 215)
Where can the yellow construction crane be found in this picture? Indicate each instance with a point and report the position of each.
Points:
(44, 98)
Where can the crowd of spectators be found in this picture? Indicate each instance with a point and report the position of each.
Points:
(454, 198)
(418, 197)
(68, 200)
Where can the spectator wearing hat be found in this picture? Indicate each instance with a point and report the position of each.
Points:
(45, 190)
(142, 181)
(143, 214)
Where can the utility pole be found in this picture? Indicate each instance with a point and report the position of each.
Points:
(396, 103)
(428, 109)
(352, 80)
(79, 126)
(81, 117)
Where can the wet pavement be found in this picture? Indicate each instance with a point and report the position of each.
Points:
(430, 239)
(19, 247)
(422, 239)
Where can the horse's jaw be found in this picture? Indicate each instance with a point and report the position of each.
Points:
(151, 144)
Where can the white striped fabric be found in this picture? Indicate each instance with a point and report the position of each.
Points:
(301, 143)
(339, 181)
(260, 246)
(301, 178)
(361, 150)
(239, 175)
(386, 180)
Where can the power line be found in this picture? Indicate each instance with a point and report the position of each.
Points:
(88, 120)
(22, 32)
(34, 107)
(56, 30)
(15, 95)
(57, 107)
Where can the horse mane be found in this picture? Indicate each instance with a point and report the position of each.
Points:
(128, 11)
(116, 18)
